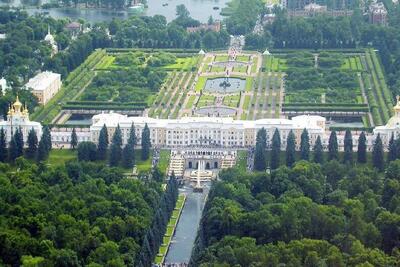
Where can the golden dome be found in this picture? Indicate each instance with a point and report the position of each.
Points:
(17, 105)
(10, 110)
(25, 112)
(397, 107)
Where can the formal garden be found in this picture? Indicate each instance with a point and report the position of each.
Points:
(176, 83)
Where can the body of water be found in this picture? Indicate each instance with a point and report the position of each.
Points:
(182, 243)
(199, 9)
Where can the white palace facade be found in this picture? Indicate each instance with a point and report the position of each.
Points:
(195, 132)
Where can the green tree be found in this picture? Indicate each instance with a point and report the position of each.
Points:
(116, 150)
(74, 139)
(32, 144)
(276, 150)
(46, 136)
(128, 153)
(102, 146)
(318, 151)
(333, 146)
(290, 149)
(260, 163)
(19, 142)
(362, 149)
(87, 151)
(348, 147)
(392, 154)
(377, 154)
(305, 145)
(146, 142)
(3, 146)
(13, 149)
(42, 154)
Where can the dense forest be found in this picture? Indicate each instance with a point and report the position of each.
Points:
(81, 214)
(308, 215)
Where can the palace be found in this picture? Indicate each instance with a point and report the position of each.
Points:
(207, 131)
(18, 118)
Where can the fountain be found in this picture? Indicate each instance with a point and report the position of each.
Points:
(225, 84)
(200, 175)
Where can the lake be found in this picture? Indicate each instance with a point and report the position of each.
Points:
(199, 9)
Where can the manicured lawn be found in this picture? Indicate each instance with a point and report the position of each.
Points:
(201, 82)
(164, 160)
(185, 63)
(254, 65)
(142, 166)
(217, 69)
(246, 103)
(249, 84)
(241, 161)
(221, 58)
(243, 58)
(241, 69)
(60, 156)
(190, 102)
(206, 100)
(231, 101)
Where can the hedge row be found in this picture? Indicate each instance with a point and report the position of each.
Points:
(326, 105)
(170, 50)
(338, 128)
(106, 103)
(374, 108)
(322, 108)
(86, 107)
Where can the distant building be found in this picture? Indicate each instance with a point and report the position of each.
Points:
(3, 36)
(74, 28)
(44, 85)
(215, 27)
(51, 41)
(311, 10)
(18, 118)
(3, 85)
(378, 13)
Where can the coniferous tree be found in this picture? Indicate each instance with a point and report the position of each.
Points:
(3, 146)
(46, 136)
(103, 143)
(13, 149)
(116, 150)
(348, 147)
(377, 154)
(128, 153)
(362, 149)
(146, 142)
(276, 150)
(290, 149)
(392, 154)
(318, 151)
(42, 153)
(333, 147)
(260, 163)
(19, 142)
(32, 144)
(305, 145)
(74, 139)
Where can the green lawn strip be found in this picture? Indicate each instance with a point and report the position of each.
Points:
(164, 160)
(206, 100)
(249, 84)
(172, 223)
(246, 103)
(243, 58)
(346, 64)
(244, 115)
(60, 156)
(254, 65)
(201, 82)
(142, 166)
(72, 84)
(241, 161)
(221, 58)
(217, 69)
(190, 102)
(231, 100)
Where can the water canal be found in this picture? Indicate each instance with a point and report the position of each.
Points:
(199, 9)
(182, 243)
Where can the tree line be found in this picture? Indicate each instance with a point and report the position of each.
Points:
(116, 153)
(330, 214)
(317, 154)
(33, 149)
